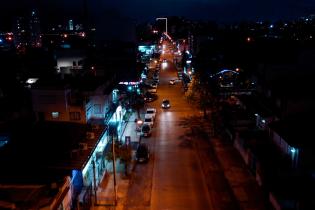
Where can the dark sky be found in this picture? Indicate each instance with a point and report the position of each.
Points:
(218, 10)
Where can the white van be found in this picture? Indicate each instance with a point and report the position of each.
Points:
(152, 112)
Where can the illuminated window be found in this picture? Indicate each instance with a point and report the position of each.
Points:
(75, 115)
(55, 115)
(97, 109)
(115, 95)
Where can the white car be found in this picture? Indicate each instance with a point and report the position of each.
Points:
(152, 112)
(148, 119)
(152, 90)
(172, 82)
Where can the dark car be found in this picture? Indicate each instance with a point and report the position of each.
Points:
(149, 97)
(166, 104)
(146, 130)
(142, 153)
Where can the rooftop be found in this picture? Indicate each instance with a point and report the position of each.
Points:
(47, 151)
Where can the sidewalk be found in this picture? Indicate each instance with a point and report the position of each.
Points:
(106, 189)
(244, 189)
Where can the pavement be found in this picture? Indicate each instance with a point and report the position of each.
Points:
(228, 176)
(106, 198)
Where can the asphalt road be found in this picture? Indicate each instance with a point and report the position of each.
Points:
(189, 168)
(173, 178)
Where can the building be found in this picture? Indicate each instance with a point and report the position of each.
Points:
(27, 32)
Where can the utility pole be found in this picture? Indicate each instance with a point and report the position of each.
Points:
(94, 178)
(114, 168)
(165, 24)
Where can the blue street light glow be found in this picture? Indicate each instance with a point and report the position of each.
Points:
(293, 150)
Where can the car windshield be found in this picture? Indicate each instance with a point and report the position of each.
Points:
(147, 120)
(145, 128)
(150, 112)
(142, 150)
(166, 101)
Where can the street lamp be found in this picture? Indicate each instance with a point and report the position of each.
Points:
(165, 24)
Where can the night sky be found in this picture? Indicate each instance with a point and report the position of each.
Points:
(143, 10)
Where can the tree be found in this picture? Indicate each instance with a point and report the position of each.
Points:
(199, 93)
(125, 155)
(123, 152)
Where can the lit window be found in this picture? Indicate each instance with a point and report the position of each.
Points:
(55, 115)
(97, 109)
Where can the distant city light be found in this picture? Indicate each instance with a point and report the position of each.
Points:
(31, 80)
(128, 83)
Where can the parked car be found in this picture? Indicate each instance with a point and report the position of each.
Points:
(148, 119)
(149, 97)
(155, 76)
(142, 153)
(166, 104)
(152, 90)
(152, 112)
(153, 85)
(146, 130)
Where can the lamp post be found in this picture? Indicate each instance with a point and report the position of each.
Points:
(112, 131)
(165, 23)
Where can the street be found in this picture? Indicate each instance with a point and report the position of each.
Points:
(189, 169)
(173, 178)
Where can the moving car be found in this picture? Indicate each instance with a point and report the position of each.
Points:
(166, 104)
(172, 82)
(142, 153)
